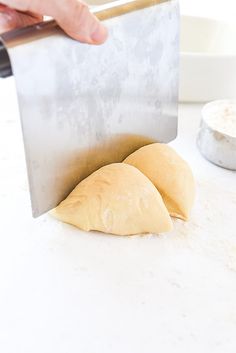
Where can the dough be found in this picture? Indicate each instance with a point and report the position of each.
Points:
(116, 199)
(170, 174)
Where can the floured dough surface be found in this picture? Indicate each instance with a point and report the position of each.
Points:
(116, 199)
(170, 174)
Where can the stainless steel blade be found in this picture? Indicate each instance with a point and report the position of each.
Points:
(84, 106)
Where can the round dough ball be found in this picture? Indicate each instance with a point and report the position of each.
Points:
(170, 174)
(116, 199)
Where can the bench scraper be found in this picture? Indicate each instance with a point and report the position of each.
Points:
(83, 106)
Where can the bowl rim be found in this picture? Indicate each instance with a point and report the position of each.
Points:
(203, 117)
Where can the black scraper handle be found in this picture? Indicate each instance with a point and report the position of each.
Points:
(5, 65)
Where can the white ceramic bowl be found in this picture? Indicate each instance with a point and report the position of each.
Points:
(217, 134)
(208, 60)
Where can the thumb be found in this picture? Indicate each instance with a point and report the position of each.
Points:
(78, 22)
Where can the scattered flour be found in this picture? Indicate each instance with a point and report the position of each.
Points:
(208, 231)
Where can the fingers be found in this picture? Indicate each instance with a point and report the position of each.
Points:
(11, 19)
(72, 15)
(80, 24)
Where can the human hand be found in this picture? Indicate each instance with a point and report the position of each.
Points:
(73, 17)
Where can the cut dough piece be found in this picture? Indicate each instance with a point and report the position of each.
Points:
(170, 174)
(116, 199)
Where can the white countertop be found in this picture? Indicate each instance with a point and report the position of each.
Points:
(65, 291)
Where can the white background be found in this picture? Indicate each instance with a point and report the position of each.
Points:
(225, 10)
(64, 291)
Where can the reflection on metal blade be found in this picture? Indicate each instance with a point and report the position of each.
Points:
(85, 106)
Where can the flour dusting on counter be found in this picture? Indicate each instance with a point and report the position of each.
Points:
(60, 287)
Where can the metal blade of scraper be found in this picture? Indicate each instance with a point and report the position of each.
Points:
(83, 106)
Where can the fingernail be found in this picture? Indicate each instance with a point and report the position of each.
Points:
(100, 34)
